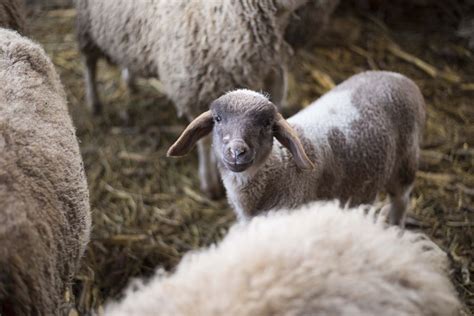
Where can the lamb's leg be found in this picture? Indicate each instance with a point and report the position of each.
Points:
(129, 79)
(398, 205)
(276, 84)
(211, 184)
(90, 71)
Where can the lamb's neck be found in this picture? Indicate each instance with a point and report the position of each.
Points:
(259, 190)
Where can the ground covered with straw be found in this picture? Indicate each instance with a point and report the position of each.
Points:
(148, 210)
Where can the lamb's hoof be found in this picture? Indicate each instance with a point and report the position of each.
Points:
(396, 221)
(130, 81)
(413, 222)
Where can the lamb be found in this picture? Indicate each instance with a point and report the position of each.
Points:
(199, 49)
(12, 15)
(360, 138)
(44, 201)
(319, 260)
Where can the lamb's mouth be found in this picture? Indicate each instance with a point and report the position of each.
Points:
(235, 166)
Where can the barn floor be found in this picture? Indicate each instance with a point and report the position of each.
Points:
(148, 210)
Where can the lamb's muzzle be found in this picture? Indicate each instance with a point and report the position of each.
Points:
(237, 155)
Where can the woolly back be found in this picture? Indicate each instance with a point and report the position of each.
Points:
(44, 201)
(318, 260)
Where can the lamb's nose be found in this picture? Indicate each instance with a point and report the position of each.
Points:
(238, 151)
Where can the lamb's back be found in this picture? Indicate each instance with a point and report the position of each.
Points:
(358, 130)
(370, 97)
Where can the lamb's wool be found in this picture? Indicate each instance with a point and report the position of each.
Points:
(318, 260)
(44, 201)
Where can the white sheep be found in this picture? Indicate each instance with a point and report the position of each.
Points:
(44, 200)
(199, 49)
(318, 260)
(357, 140)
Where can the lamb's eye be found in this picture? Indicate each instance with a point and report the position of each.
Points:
(266, 123)
(217, 118)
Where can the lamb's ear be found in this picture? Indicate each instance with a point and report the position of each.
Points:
(287, 136)
(197, 129)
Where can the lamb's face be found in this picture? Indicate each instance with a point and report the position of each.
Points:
(243, 129)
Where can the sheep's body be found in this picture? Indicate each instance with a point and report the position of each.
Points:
(199, 49)
(12, 15)
(44, 202)
(319, 260)
(363, 137)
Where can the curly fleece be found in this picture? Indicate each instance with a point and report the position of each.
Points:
(44, 200)
(318, 260)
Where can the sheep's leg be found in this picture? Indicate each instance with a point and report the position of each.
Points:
(90, 71)
(129, 79)
(208, 172)
(398, 205)
(276, 84)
